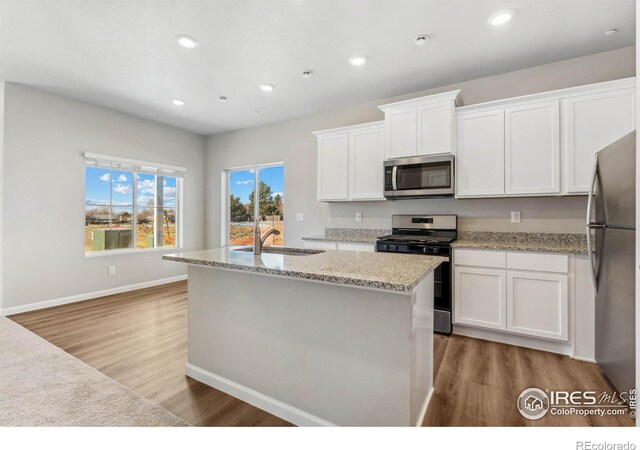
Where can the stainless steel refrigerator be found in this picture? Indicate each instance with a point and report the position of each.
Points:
(611, 215)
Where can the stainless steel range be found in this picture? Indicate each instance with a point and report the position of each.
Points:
(427, 235)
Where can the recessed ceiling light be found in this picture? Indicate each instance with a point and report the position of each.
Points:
(267, 87)
(187, 41)
(357, 60)
(422, 39)
(222, 98)
(500, 18)
(610, 32)
(177, 102)
(307, 74)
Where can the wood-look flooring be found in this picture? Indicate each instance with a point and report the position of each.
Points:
(140, 339)
(478, 382)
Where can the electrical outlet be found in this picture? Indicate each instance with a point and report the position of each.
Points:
(358, 217)
(112, 270)
(299, 217)
(515, 216)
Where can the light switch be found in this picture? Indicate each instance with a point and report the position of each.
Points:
(299, 217)
(358, 217)
(515, 216)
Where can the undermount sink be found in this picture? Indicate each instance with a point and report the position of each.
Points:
(282, 251)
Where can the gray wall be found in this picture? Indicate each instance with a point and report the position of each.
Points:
(292, 142)
(45, 138)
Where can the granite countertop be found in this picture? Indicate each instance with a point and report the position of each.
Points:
(524, 242)
(386, 271)
(352, 235)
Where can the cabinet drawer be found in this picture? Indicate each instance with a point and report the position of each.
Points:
(542, 262)
(320, 245)
(480, 258)
(356, 247)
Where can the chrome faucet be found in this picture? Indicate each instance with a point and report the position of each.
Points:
(258, 239)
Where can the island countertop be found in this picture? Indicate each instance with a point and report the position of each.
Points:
(386, 271)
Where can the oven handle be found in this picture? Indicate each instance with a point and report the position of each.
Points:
(394, 174)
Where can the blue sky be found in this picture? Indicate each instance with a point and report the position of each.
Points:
(99, 182)
(241, 181)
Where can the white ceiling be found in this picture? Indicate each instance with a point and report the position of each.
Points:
(124, 55)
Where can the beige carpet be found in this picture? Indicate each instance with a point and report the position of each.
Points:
(41, 385)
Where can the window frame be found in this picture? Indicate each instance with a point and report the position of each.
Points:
(226, 204)
(133, 167)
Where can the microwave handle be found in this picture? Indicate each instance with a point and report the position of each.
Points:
(394, 174)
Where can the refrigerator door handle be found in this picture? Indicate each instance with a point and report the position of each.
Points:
(590, 253)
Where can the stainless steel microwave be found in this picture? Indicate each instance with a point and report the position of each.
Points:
(419, 177)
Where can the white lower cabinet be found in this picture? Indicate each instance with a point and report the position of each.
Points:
(516, 292)
(320, 245)
(354, 246)
(480, 297)
(537, 304)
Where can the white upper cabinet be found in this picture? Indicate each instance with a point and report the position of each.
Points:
(435, 128)
(480, 154)
(532, 148)
(591, 122)
(540, 144)
(333, 157)
(400, 133)
(366, 156)
(350, 163)
(420, 126)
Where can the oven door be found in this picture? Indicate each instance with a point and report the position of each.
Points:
(426, 176)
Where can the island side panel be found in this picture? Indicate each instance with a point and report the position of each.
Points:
(422, 349)
(339, 353)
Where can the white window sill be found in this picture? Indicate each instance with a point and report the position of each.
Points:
(98, 254)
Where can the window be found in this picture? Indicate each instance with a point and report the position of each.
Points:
(242, 208)
(130, 205)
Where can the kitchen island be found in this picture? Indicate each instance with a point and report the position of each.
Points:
(314, 337)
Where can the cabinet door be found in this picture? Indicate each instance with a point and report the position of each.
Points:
(400, 133)
(333, 168)
(537, 304)
(320, 245)
(532, 149)
(479, 297)
(480, 153)
(435, 128)
(356, 247)
(366, 158)
(590, 123)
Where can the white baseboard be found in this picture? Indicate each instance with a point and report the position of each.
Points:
(423, 409)
(580, 358)
(562, 348)
(264, 402)
(88, 296)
